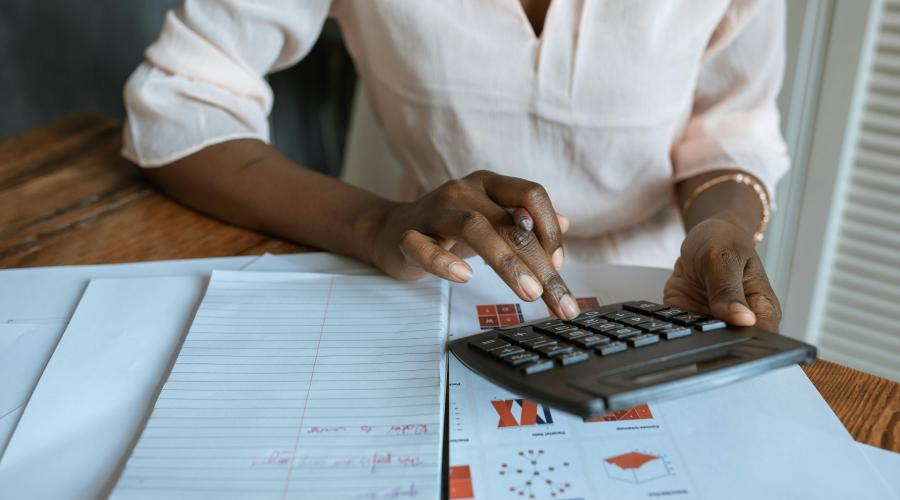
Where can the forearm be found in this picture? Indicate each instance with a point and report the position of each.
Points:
(251, 184)
(737, 202)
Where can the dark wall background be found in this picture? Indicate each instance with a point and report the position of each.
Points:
(63, 56)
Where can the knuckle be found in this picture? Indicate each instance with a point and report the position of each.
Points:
(472, 221)
(520, 239)
(554, 284)
(507, 263)
(535, 193)
(451, 190)
(407, 238)
(479, 174)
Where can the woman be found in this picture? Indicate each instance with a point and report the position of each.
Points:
(651, 125)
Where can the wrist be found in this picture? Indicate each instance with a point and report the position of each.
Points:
(368, 225)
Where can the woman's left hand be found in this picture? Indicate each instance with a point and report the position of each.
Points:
(720, 273)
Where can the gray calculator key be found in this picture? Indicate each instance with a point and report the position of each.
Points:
(623, 333)
(634, 320)
(709, 325)
(518, 336)
(611, 348)
(688, 319)
(590, 341)
(507, 351)
(643, 306)
(618, 315)
(653, 325)
(605, 327)
(676, 332)
(558, 329)
(588, 322)
(587, 314)
(538, 342)
(488, 344)
(669, 313)
(547, 324)
(574, 334)
(521, 358)
(537, 367)
(573, 357)
(551, 351)
(642, 340)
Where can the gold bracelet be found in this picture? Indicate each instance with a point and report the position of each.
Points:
(746, 180)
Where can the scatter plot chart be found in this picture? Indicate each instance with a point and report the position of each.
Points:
(532, 474)
(636, 467)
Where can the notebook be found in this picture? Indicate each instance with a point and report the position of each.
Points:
(292, 385)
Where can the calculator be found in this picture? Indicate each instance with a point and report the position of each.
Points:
(622, 355)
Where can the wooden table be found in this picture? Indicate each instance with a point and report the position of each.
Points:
(68, 197)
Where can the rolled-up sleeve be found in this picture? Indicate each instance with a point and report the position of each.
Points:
(734, 123)
(203, 81)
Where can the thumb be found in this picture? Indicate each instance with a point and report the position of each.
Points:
(725, 292)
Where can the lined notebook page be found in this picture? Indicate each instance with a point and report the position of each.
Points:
(292, 385)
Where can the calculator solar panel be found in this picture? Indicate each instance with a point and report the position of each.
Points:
(622, 355)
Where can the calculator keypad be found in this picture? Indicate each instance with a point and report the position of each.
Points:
(552, 342)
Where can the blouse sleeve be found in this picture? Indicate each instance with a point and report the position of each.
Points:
(734, 123)
(203, 81)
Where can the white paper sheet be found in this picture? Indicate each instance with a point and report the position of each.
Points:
(24, 351)
(47, 296)
(97, 387)
(887, 463)
(769, 437)
(296, 386)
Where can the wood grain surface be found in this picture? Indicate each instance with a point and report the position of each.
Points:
(68, 197)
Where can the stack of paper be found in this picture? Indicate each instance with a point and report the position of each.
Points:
(257, 385)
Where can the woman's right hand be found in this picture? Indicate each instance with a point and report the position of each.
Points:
(471, 216)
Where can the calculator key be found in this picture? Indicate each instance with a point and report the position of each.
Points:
(570, 336)
(538, 342)
(573, 357)
(611, 348)
(488, 344)
(605, 327)
(623, 333)
(558, 329)
(642, 340)
(537, 367)
(618, 315)
(517, 336)
(688, 319)
(588, 322)
(643, 306)
(590, 341)
(676, 332)
(653, 325)
(546, 324)
(521, 358)
(507, 351)
(587, 314)
(669, 313)
(709, 325)
(635, 320)
(553, 350)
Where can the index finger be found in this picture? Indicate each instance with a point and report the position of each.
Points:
(514, 192)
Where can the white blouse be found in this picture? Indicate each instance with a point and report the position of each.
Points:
(608, 108)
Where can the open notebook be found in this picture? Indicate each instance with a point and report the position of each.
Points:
(294, 385)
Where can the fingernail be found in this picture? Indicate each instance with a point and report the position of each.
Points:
(746, 314)
(569, 306)
(460, 272)
(557, 259)
(530, 286)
